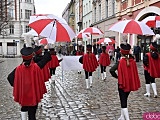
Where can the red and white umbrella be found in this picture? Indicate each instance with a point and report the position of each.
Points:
(52, 27)
(131, 27)
(152, 21)
(104, 40)
(43, 41)
(82, 35)
(93, 31)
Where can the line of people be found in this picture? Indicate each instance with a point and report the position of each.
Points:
(128, 78)
(30, 77)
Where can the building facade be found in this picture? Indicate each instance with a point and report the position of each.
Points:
(12, 42)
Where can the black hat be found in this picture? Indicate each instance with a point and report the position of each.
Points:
(27, 53)
(38, 50)
(89, 46)
(153, 46)
(51, 49)
(103, 47)
(125, 48)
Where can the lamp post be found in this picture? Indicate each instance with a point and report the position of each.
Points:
(14, 44)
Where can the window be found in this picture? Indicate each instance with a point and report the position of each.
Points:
(11, 13)
(28, 13)
(84, 10)
(113, 6)
(87, 8)
(95, 14)
(28, 1)
(106, 8)
(99, 11)
(11, 29)
(21, 14)
(27, 29)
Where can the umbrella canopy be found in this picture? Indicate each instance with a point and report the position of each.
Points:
(132, 27)
(152, 21)
(104, 40)
(92, 31)
(52, 27)
(44, 41)
(82, 35)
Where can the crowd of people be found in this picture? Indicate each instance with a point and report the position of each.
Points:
(39, 65)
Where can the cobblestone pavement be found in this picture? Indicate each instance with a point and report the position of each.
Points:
(69, 99)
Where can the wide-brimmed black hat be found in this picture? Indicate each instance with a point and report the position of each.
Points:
(27, 53)
(51, 49)
(153, 46)
(125, 48)
(38, 50)
(89, 46)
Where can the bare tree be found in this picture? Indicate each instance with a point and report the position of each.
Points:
(5, 16)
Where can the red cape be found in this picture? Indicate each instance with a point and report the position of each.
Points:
(79, 53)
(104, 59)
(154, 66)
(90, 62)
(46, 73)
(29, 86)
(128, 78)
(53, 63)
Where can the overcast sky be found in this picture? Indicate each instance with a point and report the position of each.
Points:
(55, 7)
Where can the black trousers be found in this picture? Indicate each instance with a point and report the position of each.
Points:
(31, 111)
(103, 69)
(52, 71)
(123, 97)
(148, 78)
(137, 57)
(87, 74)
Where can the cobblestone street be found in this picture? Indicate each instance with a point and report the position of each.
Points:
(71, 101)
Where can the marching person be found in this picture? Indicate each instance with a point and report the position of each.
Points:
(128, 79)
(27, 82)
(151, 62)
(53, 64)
(38, 56)
(80, 53)
(90, 64)
(104, 61)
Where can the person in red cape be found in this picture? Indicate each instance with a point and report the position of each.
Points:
(27, 82)
(104, 61)
(38, 56)
(80, 52)
(90, 64)
(128, 79)
(53, 64)
(151, 63)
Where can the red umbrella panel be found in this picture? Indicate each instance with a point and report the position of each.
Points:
(52, 27)
(131, 27)
(93, 31)
(104, 40)
(152, 21)
(83, 35)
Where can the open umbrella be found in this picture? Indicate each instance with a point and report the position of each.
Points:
(131, 27)
(82, 35)
(104, 40)
(44, 41)
(52, 27)
(92, 31)
(152, 21)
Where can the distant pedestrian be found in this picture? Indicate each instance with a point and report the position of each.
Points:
(128, 79)
(136, 52)
(104, 61)
(90, 64)
(118, 54)
(151, 62)
(53, 64)
(27, 82)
